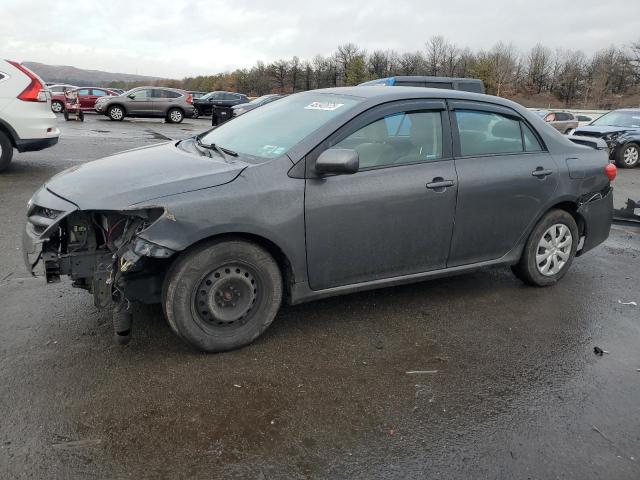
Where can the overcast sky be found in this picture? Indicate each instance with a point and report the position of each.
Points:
(184, 38)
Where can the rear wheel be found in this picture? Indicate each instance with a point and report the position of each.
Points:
(56, 106)
(116, 113)
(175, 115)
(222, 295)
(549, 251)
(628, 156)
(6, 151)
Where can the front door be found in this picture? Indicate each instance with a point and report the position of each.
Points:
(395, 215)
(505, 179)
(140, 102)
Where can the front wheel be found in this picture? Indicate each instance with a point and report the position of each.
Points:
(628, 156)
(6, 151)
(196, 112)
(549, 251)
(116, 113)
(222, 295)
(175, 115)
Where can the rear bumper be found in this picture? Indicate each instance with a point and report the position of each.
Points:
(35, 144)
(597, 215)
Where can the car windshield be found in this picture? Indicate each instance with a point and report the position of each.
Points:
(541, 113)
(206, 96)
(619, 119)
(272, 130)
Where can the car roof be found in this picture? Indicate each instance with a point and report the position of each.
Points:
(627, 110)
(385, 93)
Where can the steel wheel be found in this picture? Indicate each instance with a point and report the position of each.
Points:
(225, 297)
(554, 249)
(631, 155)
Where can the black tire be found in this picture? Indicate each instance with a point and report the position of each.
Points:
(57, 106)
(628, 156)
(175, 115)
(196, 112)
(66, 116)
(6, 151)
(81, 115)
(201, 286)
(116, 113)
(528, 269)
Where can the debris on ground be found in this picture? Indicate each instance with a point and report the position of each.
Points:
(411, 372)
(598, 351)
(635, 304)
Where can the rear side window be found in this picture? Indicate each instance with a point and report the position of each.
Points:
(166, 94)
(99, 93)
(400, 138)
(486, 133)
(84, 91)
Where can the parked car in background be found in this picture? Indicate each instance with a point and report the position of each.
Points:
(26, 121)
(464, 84)
(564, 122)
(238, 110)
(60, 88)
(119, 91)
(620, 129)
(87, 96)
(204, 105)
(583, 119)
(197, 95)
(148, 102)
(319, 194)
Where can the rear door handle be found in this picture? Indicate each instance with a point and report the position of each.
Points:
(440, 184)
(541, 172)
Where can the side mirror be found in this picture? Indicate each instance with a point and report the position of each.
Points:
(338, 160)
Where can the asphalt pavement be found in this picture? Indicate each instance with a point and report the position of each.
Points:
(476, 376)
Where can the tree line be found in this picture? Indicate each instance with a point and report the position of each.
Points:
(540, 76)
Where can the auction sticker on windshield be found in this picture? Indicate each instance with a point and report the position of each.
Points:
(323, 106)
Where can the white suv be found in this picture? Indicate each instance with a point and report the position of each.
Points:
(26, 121)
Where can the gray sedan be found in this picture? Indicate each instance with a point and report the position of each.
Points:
(319, 194)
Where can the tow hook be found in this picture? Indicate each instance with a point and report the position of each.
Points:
(122, 321)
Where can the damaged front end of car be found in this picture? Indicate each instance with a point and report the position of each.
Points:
(99, 250)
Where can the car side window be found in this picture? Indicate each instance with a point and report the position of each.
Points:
(485, 133)
(142, 94)
(531, 143)
(400, 138)
(99, 93)
(83, 91)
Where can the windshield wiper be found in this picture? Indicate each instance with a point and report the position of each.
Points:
(223, 152)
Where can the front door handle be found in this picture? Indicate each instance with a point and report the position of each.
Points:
(439, 184)
(541, 172)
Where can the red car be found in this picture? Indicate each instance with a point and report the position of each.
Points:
(86, 95)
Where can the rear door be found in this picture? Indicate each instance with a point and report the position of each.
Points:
(84, 97)
(505, 179)
(394, 216)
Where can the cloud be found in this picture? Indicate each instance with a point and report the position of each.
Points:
(177, 39)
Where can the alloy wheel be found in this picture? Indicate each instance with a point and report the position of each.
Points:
(554, 249)
(176, 116)
(56, 107)
(116, 113)
(631, 155)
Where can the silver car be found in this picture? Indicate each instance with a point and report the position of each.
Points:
(564, 122)
(148, 102)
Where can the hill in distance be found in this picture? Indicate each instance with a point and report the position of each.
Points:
(80, 76)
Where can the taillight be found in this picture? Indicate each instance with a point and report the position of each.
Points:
(35, 91)
(610, 171)
(190, 98)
